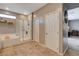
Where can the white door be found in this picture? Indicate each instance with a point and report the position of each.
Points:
(51, 31)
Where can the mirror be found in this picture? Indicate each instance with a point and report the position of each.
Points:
(7, 25)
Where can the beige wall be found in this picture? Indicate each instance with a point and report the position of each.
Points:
(7, 28)
(41, 13)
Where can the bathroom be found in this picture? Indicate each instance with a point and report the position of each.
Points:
(15, 28)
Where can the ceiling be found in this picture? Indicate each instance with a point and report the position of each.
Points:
(22, 8)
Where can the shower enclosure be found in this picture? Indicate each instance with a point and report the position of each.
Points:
(24, 29)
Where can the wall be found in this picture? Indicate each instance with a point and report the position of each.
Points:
(7, 29)
(74, 25)
(23, 26)
(41, 14)
(30, 26)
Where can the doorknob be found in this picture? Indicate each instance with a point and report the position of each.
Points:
(46, 33)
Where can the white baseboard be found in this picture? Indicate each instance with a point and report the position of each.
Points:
(60, 54)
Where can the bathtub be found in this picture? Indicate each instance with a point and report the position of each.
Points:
(7, 40)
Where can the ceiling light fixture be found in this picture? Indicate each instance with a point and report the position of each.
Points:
(7, 16)
(7, 8)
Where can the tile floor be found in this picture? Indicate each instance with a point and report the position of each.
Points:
(30, 48)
